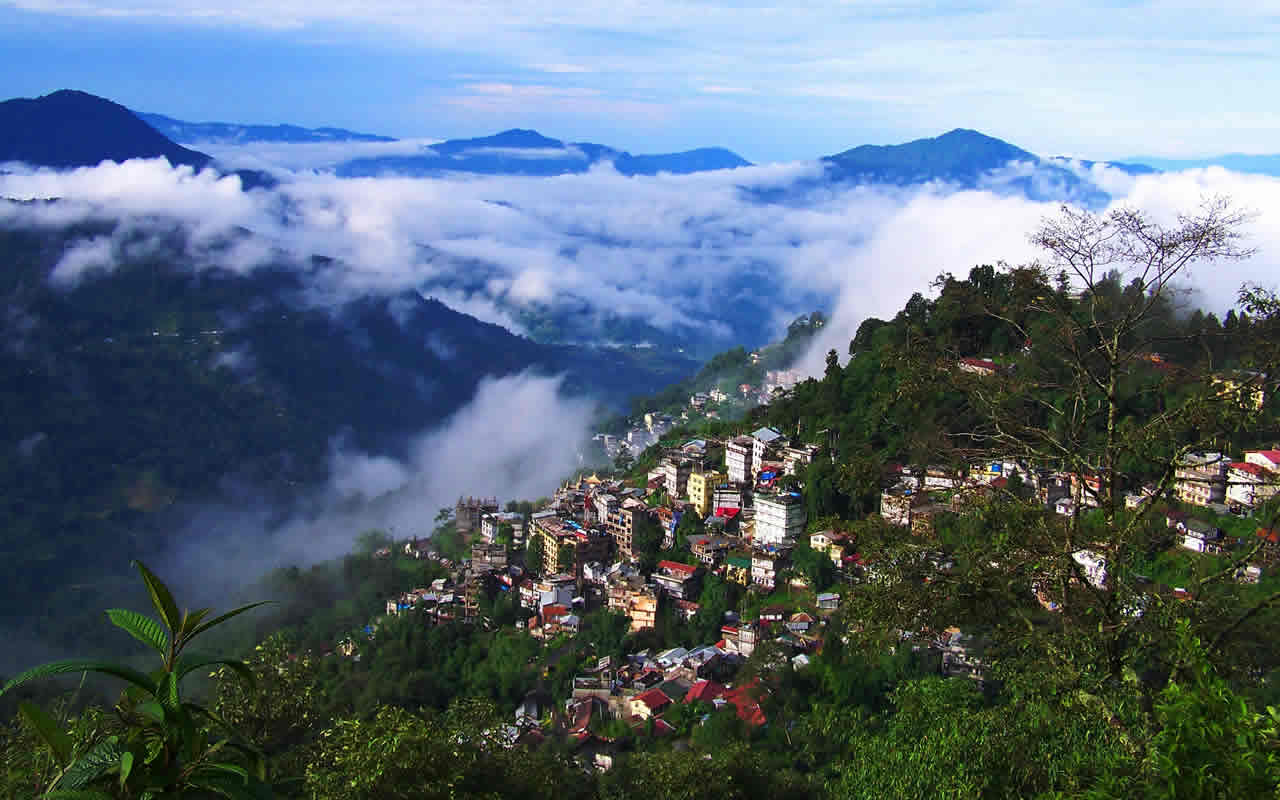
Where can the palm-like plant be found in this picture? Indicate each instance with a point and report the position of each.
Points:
(167, 746)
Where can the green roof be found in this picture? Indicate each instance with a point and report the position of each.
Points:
(738, 561)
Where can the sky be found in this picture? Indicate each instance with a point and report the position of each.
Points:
(771, 82)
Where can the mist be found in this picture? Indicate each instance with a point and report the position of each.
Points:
(673, 251)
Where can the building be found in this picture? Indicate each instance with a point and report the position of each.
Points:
(635, 599)
(763, 442)
(1250, 484)
(978, 366)
(1201, 478)
(702, 487)
(487, 557)
(728, 495)
(566, 541)
(737, 568)
(680, 581)
(622, 522)
(779, 518)
(710, 550)
(675, 475)
(795, 458)
(766, 564)
(1094, 566)
(492, 522)
(469, 511)
(1199, 536)
(739, 459)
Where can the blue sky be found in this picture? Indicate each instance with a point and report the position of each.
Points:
(773, 82)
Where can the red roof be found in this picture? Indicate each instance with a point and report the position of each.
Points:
(653, 699)
(729, 629)
(1256, 470)
(742, 698)
(1269, 535)
(705, 691)
(985, 363)
(675, 566)
(728, 513)
(554, 610)
(1271, 455)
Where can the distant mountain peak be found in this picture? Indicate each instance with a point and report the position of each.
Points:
(71, 128)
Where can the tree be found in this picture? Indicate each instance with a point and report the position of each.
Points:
(533, 553)
(165, 743)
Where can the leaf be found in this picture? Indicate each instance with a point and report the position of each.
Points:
(81, 665)
(77, 794)
(151, 709)
(231, 782)
(141, 627)
(49, 731)
(167, 693)
(189, 664)
(161, 597)
(191, 619)
(93, 764)
(126, 766)
(222, 618)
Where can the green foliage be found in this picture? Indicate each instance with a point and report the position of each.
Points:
(166, 743)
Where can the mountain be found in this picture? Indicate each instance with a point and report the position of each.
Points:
(170, 381)
(1236, 162)
(227, 133)
(527, 152)
(75, 129)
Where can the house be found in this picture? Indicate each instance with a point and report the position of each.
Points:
(649, 704)
(704, 691)
(491, 523)
(710, 550)
(896, 503)
(1200, 536)
(1250, 484)
(680, 581)
(487, 557)
(794, 458)
(728, 495)
(1269, 542)
(745, 701)
(1201, 478)
(737, 568)
(780, 518)
(1245, 387)
(701, 486)
(687, 609)
(962, 655)
(739, 459)
(766, 564)
(567, 540)
(828, 601)
(621, 522)
(800, 622)
(1094, 566)
(675, 475)
(978, 366)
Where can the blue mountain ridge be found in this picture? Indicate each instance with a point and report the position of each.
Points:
(526, 152)
(234, 133)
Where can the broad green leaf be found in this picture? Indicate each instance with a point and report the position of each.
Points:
(151, 709)
(141, 627)
(190, 663)
(218, 620)
(167, 693)
(81, 665)
(161, 597)
(77, 794)
(49, 731)
(126, 766)
(92, 765)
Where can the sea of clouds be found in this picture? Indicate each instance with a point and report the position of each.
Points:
(662, 249)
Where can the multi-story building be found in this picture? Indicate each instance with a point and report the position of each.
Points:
(1201, 478)
(680, 581)
(728, 495)
(766, 564)
(702, 487)
(737, 568)
(487, 557)
(490, 523)
(567, 546)
(779, 518)
(739, 459)
(1250, 484)
(637, 600)
(675, 475)
(621, 524)
(469, 510)
(763, 442)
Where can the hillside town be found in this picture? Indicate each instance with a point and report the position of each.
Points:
(733, 511)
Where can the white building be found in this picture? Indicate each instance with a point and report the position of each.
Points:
(779, 519)
(1095, 566)
(739, 459)
(762, 441)
(1201, 478)
(1250, 484)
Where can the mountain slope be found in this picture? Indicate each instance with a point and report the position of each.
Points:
(170, 381)
(1265, 164)
(960, 156)
(526, 152)
(74, 129)
(234, 133)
